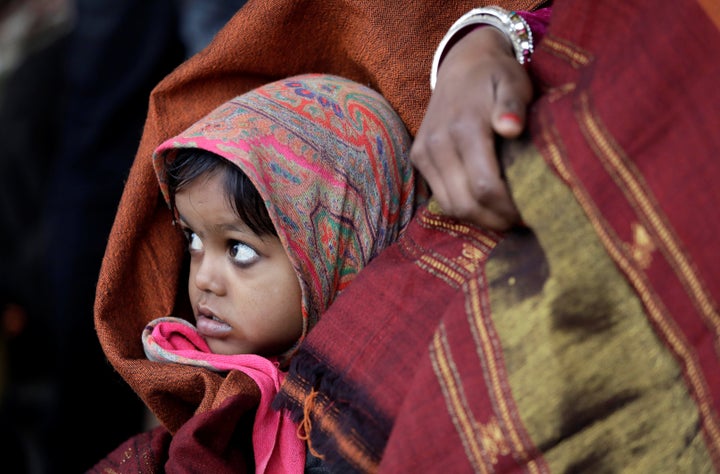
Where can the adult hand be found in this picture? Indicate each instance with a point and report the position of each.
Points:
(481, 91)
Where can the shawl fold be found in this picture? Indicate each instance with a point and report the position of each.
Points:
(276, 446)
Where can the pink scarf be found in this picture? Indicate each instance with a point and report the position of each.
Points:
(275, 442)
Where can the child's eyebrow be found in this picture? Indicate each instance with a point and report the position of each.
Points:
(234, 227)
(239, 226)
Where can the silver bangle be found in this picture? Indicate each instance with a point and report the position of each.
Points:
(512, 25)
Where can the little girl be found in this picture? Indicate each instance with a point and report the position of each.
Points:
(283, 194)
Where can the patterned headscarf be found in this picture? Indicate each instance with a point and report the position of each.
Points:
(329, 158)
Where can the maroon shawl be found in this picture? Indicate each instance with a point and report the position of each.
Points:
(587, 342)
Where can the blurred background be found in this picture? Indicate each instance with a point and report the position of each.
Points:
(75, 77)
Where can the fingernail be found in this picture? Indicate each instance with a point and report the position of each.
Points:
(511, 117)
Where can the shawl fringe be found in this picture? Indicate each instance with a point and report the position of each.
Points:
(330, 409)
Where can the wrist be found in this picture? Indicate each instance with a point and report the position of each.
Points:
(512, 26)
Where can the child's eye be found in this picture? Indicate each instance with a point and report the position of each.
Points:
(194, 242)
(242, 254)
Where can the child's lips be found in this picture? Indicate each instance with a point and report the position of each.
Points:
(208, 326)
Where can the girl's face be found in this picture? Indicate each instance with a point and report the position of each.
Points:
(245, 294)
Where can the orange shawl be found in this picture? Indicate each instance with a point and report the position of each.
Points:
(390, 49)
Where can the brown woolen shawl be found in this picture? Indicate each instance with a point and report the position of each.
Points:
(389, 48)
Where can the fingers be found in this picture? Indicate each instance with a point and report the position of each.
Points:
(431, 154)
(481, 91)
(483, 197)
(456, 156)
(460, 167)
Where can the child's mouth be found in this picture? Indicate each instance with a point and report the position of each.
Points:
(209, 325)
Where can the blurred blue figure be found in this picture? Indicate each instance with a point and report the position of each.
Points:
(91, 105)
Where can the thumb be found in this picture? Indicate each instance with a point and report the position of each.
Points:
(513, 94)
(508, 119)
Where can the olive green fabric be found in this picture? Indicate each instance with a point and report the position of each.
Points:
(593, 385)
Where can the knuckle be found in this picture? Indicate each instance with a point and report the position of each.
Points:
(419, 154)
(461, 127)
(483, 191)
(436, 139)
(462, 210)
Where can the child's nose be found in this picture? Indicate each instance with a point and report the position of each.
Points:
(208, 276)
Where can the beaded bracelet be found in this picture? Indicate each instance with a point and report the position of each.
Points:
(512, 25)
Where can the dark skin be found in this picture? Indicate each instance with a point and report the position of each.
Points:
(481, 91)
